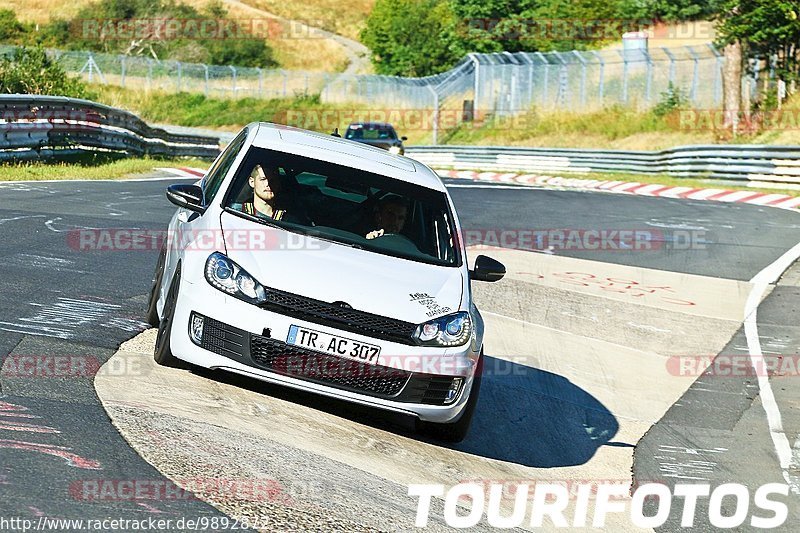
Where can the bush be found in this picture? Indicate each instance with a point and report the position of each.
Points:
(30, 71)
(672, 99)
(11, 29)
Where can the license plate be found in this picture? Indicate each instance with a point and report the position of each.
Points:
(333, 344)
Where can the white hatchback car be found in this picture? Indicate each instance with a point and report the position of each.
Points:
(326, 265)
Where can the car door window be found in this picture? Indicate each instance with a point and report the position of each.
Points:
(213, 179)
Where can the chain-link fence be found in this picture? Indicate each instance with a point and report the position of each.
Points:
(480, 85)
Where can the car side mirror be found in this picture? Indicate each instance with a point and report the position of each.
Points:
(487, 269)
(187, 196)
(403, 138)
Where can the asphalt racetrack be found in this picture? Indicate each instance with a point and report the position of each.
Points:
(595, 369)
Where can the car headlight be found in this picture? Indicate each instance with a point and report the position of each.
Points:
(223, 274)
(394, 149)
(450, 330)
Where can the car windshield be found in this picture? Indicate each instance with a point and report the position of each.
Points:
(370, 132)
(344, 204)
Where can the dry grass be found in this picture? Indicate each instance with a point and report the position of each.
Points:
(345, 18)
(292, 51)
(41, 10)
(323, 55)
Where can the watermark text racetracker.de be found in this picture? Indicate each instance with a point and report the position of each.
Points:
(537, 504)
(267, 238)
(196, 28)
(733, 365)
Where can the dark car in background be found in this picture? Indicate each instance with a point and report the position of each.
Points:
(378, 134)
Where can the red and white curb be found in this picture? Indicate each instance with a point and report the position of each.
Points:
(642, 189)
(185, 172)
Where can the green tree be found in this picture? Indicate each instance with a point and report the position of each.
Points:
(676, 10)
(765, 28)
(30, 71)
(413, 37)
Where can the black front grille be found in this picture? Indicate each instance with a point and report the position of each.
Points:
(352, 320)
(334, 371)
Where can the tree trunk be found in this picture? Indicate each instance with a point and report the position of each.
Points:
(732, 85)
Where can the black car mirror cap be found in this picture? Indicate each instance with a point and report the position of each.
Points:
(186, 196)
(487, 269)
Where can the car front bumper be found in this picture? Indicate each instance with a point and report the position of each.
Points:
(245, 339)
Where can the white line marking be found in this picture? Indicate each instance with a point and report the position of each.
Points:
(515, 187)
(760, 282)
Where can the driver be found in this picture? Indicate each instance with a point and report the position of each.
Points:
(266, 184)
(390, 216)
(272, 198)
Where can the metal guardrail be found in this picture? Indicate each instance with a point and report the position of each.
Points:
(49, 127)
(738, 162)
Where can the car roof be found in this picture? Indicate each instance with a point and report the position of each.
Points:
(344, 152)
(370, 125)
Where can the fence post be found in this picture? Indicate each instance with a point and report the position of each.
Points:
(477, 83)
(546, 77)
(717, 74)
(122, 70)
(563, 81)
(435, 115)
(512, 82)
(601, 86)
(671, 65)
(285, 81)
(649, 76)
(233, 87)
(205, 68)
(624, 76)
(754, 81)
(149, 73)
(583, 76)
(260, 80)
(695, 73)
(531, 66)
(180, 76)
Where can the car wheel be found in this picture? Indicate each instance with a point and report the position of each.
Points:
(152, 306)
(163, 353)
(456, 431)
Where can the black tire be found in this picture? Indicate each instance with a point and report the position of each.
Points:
(163, 352)
(152, 304)
(456, 431)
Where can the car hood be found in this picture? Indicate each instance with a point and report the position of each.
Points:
(380, 284)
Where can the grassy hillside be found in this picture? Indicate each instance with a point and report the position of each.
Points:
(609, 128)
(292, 52)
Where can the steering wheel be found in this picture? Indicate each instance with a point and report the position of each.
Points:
(399, 239)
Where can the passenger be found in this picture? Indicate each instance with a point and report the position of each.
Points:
(390, 216)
